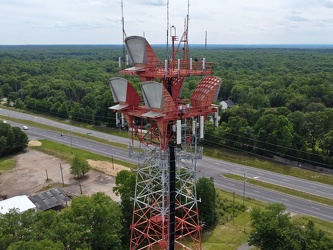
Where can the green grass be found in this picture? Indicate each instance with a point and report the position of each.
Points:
(266, 164)
(229, 236)
(64, 152)
(285, 190)
(319, 224)
(7, 163)
(234, 233)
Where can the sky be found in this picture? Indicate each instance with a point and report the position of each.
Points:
(225, 21)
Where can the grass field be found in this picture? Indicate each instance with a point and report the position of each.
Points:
(67, 153)
(234, 233)
(7, 163)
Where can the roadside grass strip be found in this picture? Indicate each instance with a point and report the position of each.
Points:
(282, 189)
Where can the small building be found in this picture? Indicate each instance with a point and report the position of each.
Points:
(51, 199)
(227, 104)
(22, 203)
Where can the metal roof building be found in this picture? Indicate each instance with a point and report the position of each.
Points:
(49, 199)
(22, 203)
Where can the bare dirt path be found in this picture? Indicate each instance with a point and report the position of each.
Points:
(36, 171)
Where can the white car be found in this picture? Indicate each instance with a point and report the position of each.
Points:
(25, 128)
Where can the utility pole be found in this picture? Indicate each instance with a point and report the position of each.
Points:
(70, 135)
(233, 207)
(62, 176)
(244, 181)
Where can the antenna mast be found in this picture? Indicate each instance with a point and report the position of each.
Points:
(124, 33)
(167, 34)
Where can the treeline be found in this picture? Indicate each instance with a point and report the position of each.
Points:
(283, 97)
(67, 82)
(12, 139)
(273, 228)
(98, 222)
(284, 101)
(89, 223)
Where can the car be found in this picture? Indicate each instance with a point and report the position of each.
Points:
(25, 128)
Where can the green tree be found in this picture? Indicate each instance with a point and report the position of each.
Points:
(6, 89)
(207, 207)
(15, 226)
(257, 99)
(125, 188)
(239, 93)
(296, 102)
(3, 144)
(274, 132)
(74, 112)
(273, 230)
(89, 115)
(45, 244)
(12, 139)
(12, 97)
(315, 107)
(327, 143)
(100, 217)
(55, 108)
(317, 239)
(63, 111)
(19, 104)
(79, 167)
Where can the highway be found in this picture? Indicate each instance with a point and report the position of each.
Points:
(208, 167)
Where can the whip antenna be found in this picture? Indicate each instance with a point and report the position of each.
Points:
(123, 29)
(167, 33)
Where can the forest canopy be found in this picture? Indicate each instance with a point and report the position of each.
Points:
(283, 97)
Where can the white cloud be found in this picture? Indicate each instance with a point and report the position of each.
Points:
(152, 2)
(228, 21)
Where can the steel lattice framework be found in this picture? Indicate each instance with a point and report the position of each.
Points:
(168, 129)
(150, 226)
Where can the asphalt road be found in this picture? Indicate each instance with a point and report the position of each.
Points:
(207, 167)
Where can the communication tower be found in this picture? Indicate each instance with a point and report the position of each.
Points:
(165, 135)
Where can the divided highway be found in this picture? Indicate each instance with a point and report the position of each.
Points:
(208, 167)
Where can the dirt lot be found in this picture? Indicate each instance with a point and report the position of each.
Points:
(36, 172)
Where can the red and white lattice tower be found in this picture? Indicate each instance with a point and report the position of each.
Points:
(165, 134)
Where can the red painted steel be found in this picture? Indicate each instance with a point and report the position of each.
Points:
(154, 127)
